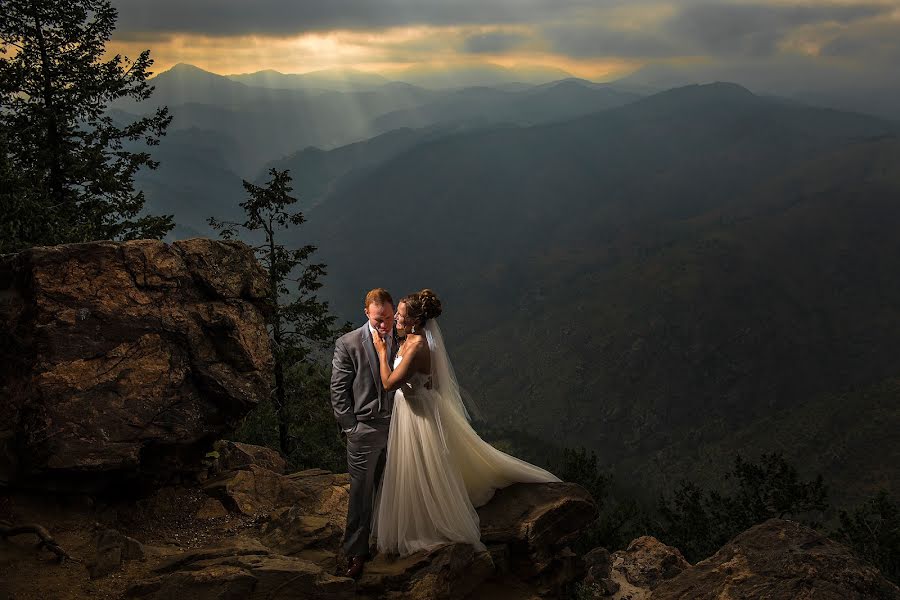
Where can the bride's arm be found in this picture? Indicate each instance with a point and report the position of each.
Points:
(392, 380)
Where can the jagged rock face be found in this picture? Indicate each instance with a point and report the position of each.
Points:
(445, 573)
(126, 357)
(778, 560)
(632, 573)
(536, 522)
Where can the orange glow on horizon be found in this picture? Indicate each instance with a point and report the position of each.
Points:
(387, 53)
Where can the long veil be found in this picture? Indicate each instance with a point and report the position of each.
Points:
(443, 378)
(484, 469)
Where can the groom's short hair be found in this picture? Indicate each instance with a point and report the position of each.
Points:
(378, 296)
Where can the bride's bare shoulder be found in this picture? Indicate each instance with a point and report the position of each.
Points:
(417, 343)
(418, 348)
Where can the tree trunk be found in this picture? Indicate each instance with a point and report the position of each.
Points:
(280, 394)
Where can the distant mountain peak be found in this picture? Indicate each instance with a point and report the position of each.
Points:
(715, 86)
(701, 94)
(186, 71)
(186, 68)
(262, 72)
(728, 86)
(343, 71)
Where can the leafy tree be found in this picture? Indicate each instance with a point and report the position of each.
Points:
(298, 328)
(699, 522)
(873, 531)
(62, 152)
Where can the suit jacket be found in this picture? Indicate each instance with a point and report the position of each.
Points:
(356, 390)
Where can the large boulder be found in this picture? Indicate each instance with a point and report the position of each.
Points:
(237, 455)
(302, 514)
(257, 491)
(530, 526)
(445, 573)
(632, 573)
(126, 357)
(779, 560)
(536, 516)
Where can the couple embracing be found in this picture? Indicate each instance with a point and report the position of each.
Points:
(417, 468)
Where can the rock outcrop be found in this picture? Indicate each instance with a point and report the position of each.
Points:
(126, 358)
(780, 560)
(529, 526)
(776, 560)
(632, 573)
(301, 519)
(243, 569)
(445, 573)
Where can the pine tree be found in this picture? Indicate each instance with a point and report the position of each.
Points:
(299, 327)
(66, 174)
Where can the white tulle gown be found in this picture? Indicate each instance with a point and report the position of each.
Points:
(438, 469)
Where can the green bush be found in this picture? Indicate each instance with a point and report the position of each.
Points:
(873, 531)
(315, 441)
(698, 522)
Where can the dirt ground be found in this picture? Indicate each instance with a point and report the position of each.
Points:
(164, 523)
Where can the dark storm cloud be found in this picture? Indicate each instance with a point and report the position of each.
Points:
(756, 29)
(876, 42)
(581, 41)
(638, 30)
(280, 17)
(494, 42)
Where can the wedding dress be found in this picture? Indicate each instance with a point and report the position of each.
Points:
(438, 469)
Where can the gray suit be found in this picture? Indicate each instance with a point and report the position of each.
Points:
(363, 409)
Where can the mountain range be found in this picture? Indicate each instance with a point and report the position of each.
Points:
(242, 129)
(813, 82)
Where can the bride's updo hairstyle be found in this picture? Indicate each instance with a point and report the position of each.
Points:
(423, 305)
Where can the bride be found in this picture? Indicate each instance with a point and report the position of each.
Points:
(438, 469)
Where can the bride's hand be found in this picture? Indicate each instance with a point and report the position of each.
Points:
(380, 344)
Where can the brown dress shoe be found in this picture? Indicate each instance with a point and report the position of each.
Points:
(355, 567)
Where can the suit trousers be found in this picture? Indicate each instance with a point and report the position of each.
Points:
(366, 454)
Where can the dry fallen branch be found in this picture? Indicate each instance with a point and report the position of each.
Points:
(8, 530)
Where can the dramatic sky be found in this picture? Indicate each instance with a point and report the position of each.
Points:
(600, 39)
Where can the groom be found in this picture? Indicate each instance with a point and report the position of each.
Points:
(363, 411)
